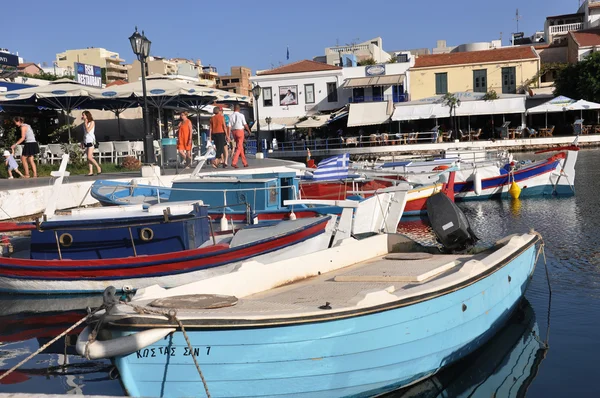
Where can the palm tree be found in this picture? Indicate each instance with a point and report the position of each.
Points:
(451, 101)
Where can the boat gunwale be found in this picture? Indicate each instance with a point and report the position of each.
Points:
(236, 324)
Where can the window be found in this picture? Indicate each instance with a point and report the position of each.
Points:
(235, 80)
(309, 93)
(267, 93)
(441, 83)
(377, 94)
(480, 81)
(225, 82)
(402, 58)
(509, 80)
(358, 94)
(332, 95)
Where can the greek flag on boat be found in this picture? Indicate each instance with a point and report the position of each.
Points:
(333, 168)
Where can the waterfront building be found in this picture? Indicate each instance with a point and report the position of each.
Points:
(557, 28)
(582, 43)
(443, 48)
(108, 60)
(29, 68)
(507, 70)
(175, 68)
(238, 81)
(297, 90)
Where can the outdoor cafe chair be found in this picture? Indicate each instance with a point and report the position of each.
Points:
(18, 152)
(105, 151)
(55, 152)
(137, 149)
(463, 136)
(122, 150)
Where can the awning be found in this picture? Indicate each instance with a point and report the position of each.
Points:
(277, 123)
(494, 107)
(366, 114)
(387, 80)
(313, 121)
(416, 111)
(420, 111)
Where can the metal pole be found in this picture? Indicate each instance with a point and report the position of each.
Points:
(148, 139)
(259, 147)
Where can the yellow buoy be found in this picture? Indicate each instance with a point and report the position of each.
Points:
(514, 190)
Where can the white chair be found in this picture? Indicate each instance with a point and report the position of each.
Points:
(122, 150)
(55, 152)
(157, 149)
(137, 149)
(106, 151)
(18, 152)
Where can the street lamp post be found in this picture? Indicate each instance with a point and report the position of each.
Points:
(141, 48)
(256, 93)
(268, 120)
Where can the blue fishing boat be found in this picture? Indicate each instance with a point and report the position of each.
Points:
(351, 321)
(241, 199)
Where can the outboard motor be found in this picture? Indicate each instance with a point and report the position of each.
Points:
(450, 225)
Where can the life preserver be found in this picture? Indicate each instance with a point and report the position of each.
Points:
(120, 346)
(441, 168)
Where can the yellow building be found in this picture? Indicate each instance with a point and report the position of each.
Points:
(115, 70)
(505, 70)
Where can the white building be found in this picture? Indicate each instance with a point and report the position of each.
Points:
(296, 90)
(313, 89)
(587, 17)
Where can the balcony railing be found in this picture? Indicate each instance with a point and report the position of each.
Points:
(117, 75)
(111, 65)
(564, 29)
(378, 98)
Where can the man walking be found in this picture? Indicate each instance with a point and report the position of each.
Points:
(218, 133)
(238, 125)
(184, 139)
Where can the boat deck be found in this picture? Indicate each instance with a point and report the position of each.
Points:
(377, 281)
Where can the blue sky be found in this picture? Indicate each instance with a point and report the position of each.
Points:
(256, 34)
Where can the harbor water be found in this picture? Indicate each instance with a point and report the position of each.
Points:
(513, 363)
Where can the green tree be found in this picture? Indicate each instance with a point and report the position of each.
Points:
(368, 61)
(392, 60)
(451, 101)
(580, 80)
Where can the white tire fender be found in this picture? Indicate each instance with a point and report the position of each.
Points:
(120, 346)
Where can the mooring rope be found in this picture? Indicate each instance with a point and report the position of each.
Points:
(541, 250)
(42, 348)
(171, 315)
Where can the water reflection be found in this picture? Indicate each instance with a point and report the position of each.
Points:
(504, 367)
(26, 324)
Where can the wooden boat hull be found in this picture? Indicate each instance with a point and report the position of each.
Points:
(26, 276)
(555, 176)
(354, 354)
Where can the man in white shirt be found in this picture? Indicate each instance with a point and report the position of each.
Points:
(237, 123)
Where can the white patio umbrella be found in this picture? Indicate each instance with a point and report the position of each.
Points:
(63, 94)
(558, 104)
(583, 105)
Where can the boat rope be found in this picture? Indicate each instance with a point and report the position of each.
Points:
(48, 344)
(541, 250)
(171, 315)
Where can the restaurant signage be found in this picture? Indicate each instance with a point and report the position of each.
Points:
(88, 75)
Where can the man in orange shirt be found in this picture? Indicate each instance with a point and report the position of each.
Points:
(217, 133)
(184, 139)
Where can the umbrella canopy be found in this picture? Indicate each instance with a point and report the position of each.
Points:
(63, 94)
(314, 121)
(558, 104)
(583, 105)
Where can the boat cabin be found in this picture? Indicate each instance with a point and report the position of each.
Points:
(121, 232)
(261, 191)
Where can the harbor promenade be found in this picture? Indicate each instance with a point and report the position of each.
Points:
(323, 148)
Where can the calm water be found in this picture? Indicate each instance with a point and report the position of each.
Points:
(511, 364)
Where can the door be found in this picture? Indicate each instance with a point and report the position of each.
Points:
(509, 80)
